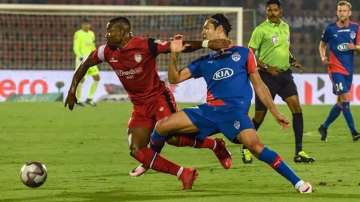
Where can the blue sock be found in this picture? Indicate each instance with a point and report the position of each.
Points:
(274, 160)
(157, 141)
(348, 116)
(334, 113)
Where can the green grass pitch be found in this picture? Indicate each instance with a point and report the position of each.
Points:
(88, 160)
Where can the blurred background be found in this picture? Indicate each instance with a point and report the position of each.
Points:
(35, 41)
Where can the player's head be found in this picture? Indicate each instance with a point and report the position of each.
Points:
(273, 10)
(215, 27)
(85, 24)
(343, 10)
(118, 31)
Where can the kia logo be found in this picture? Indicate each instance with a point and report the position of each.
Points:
(223, 73)
(343, 47)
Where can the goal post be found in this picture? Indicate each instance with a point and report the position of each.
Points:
(41, 36)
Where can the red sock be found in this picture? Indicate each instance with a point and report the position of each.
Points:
(185, 140)
(206, 143)
(146, 157)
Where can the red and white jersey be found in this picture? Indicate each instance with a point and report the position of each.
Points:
(135, 65)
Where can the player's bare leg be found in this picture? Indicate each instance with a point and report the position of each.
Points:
(180, 123)
(249, 138)
(298, 128)
(257, 121)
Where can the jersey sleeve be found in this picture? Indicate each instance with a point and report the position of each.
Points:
(256, 38)
(195, 68)
(325, 37)
(157, 46)
(251, 62)
(99, 54)
(357, 40)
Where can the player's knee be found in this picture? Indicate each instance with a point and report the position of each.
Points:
(134, 149)
(161, 126)
(342, 98)
(173, 140)
(255, 147)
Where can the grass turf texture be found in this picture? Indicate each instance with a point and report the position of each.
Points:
(88, 160)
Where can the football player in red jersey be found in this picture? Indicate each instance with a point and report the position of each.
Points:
(133, 59)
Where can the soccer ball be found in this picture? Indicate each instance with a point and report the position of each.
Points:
(33, 174)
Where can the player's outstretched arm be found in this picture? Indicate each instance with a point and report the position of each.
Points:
(263, 93)
(215, 44)
(71, 100)
(174, 75)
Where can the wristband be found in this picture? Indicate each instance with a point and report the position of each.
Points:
(205, 43)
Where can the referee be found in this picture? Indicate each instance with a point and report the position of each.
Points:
(271, 41)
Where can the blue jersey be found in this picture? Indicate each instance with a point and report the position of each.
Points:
(226, 75)
(341, 59)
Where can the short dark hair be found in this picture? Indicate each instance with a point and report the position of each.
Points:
(85, 20)
(277, 2)
(122, 20)
(220, 19)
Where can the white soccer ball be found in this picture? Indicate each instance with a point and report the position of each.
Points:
(33, 174)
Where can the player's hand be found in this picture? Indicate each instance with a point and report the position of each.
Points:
(298, 66)
(282, 120)
(324, 60)
(70, 100)
(351, 46)
(219, 44)
(176, 44)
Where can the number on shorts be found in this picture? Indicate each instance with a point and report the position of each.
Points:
(339, 87)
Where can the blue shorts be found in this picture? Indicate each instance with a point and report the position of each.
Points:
(210, 121)
(341, 83)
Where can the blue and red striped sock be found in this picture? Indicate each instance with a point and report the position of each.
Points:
(334, 113)
(348, 116)
(157, 141)
(275, 161)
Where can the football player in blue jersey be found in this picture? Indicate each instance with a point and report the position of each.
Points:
(228, 75)
(342, 37)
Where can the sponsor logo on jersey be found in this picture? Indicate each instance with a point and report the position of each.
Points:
(343, 47)
(137, 57)
(129, 74)
(113, 60)
(344, 30)
(352, 35)
(237, 125)
(236, 56)
(223, 73)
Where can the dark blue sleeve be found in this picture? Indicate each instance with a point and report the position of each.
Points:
(195, 68)
(326, 35)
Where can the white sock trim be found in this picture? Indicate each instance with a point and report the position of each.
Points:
(153, 159)
(179, 172)
(215, 144)
(298, 184)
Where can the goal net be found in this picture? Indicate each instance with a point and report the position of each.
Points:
(41, 36)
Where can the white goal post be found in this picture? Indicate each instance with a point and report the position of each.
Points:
(40, 36)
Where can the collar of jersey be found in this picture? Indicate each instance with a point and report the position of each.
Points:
(216, 54)
(274, 24)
